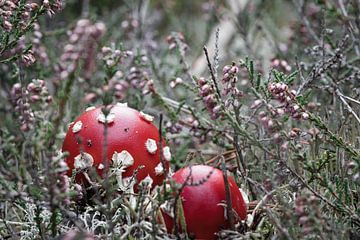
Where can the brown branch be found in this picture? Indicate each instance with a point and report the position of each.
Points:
(229, 209)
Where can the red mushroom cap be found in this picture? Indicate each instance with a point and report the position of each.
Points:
(203, 203)
(132, 141)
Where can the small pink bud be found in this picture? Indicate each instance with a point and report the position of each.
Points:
(270, 123)
(277, 137)
(311, 105)
(256, 104)
(264, 120)
(89, 97)
(172, 84)
(280, 111)
(305, 116)
(262, 114)
(296, 108)
(201, 81)
(31, 87)
(234, 69)
(35, 98)
(34, 6)
(271, 87)
(216, 109)
(293, 134)
(25, 127)
(283, 63)
(296, 115)
(205, 90)
(284, 87)
(303, 219)
(209, 100)
(17, 87)
(195, 123)
(278, 86)
(275, 62)
(105, 50)
(226, 69)
(293, 92)
(284, 146)
(49, 99)
(7, 25)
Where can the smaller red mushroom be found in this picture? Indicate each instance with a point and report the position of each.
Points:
(204, 201)
(132, 143)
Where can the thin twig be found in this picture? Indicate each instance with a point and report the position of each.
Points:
(229, 208)
(212, 73)
(341, 96)
(161, 145)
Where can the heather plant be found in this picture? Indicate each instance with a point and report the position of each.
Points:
(267, 91)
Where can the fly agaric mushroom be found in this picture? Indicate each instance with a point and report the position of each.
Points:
(132, 143)
(204, 201)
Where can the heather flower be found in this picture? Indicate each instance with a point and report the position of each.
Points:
(280, 65)
(230, 79)
(20, 101)
(82, 46)
(207, 92)
(26, 100)
(112, 57)
(52, 6)
(173, 127)
(280, 92)
(177, 39)
(139, 78)
(175, 82)
(28, 59)
(38, 48)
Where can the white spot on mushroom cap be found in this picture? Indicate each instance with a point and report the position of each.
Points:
(77, 127)
(148, 180)
(101, 166)
(151, 146)
(159, 169)
(101, 118)
(146, 117)
(119, 104)
(83, 160)
(167, 153)
(168, 208)
(123, 158)
(69, 125)
(108, 119)
(90, 108)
